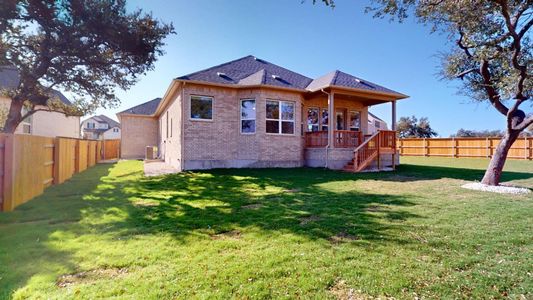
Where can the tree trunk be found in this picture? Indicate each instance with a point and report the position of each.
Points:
(14, 117)
(494, 171)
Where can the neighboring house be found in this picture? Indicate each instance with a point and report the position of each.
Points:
(375, 123)
(43, 123)
(100, 128)
(252, 113)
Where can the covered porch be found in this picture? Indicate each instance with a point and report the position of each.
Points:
(351, 145)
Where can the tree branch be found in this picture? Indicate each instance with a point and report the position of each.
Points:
(494, 96)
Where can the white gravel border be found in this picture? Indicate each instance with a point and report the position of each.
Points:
(501, 189)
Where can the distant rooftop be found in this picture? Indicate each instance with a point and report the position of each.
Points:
(9, 79)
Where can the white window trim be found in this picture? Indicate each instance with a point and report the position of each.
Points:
(350, 123)
(241, 119)
(26, 122)
(319, 120)
(280, 120)
(212, 108)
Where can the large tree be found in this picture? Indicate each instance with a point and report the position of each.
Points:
(411, 127)
(86, 47)
(491, 54)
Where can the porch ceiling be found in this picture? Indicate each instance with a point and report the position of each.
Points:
(367, 99)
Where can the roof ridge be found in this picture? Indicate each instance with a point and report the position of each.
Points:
(334, 79)
(217, 66)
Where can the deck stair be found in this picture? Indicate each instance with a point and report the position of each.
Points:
(370, 151)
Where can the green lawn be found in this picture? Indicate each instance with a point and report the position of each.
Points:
(272, 233)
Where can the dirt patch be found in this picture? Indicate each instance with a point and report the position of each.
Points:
(343, 237)
(291, 191)
(341, 291)
(307, 220)
(232, 234)
(90, 276)
(373, 208)
(252, 206)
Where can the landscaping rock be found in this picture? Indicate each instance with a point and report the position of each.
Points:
(501, 189)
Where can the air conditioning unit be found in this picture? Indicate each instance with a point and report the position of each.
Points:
(151, 153)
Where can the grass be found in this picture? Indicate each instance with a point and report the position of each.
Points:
(272, 233)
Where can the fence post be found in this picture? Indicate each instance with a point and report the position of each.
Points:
(525, 148)
(487, 143)
(8, 201)
(426, 152)
(57, 161)
(453, 147)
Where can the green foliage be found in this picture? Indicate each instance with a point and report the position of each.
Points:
(109, 232)
(89, 48)
(475, 133)
(411, 127)
(3, 116)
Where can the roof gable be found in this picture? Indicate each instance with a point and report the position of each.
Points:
(344, 80)
(146, 108)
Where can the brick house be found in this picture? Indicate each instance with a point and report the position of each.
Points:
(252, 113)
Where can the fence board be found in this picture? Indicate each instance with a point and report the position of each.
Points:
(112, 149)
(64, 158)
(463, 147)
(29, 164)
(82, 150)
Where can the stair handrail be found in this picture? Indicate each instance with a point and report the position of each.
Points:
(364, 144)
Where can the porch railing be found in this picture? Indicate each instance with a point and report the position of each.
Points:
(341, 139)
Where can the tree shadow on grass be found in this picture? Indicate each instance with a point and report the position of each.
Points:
(26, 234)
(314, 204)
(408, 173)
(306, 202)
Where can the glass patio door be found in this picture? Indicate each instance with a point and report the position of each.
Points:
(340, 119)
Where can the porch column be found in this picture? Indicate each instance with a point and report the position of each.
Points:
(331, 120)
(393, 125)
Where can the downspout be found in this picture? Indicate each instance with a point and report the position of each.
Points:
(329, 116)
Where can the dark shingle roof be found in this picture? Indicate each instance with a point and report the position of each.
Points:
(9, 79)
(105, 119)
(340, 79)
(249, 70)
(147, 108)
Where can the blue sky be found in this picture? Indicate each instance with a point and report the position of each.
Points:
(312, 40)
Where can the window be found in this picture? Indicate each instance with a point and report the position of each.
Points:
(201, 108)
(325, 119)
(171, 127)
(355, 120)
(377, 124)
(115, 129)
(90, 125)
(279, 117)
(166, 131)
(313, 119)
(26, 123)
(339, 116)
(248, 116)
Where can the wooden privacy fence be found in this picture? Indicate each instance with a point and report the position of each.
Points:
(29, 164)
(463, 147)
